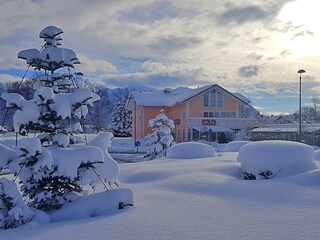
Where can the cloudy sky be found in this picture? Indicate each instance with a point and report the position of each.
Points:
(254, 47)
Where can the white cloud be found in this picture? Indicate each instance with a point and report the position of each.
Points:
(97, 66)
(4, 78)
(9, 58)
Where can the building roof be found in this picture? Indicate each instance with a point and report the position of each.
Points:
(169, 98)
(277, 128)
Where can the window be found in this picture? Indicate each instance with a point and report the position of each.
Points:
(219, 100)
(206, 99)
(219, 114)
(213, 98)
(240, 111)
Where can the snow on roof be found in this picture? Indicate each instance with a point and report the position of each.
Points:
(166, 98)
(287, 128)
(275, 129)
(243, 98)
(169, 98)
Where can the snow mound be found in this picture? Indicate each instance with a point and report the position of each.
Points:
(13, 210)
(235, 146)
(109, 170)
(99, 204)
(268, 159)
(317, 155)
(191, 150)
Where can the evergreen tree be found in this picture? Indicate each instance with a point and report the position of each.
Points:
(50, 171)
(161, 138)
(121, 120)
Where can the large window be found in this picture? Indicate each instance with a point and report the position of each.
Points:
(213, 98)
(240, 111)
(219, 114)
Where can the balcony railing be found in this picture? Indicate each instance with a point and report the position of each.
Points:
(232, 123)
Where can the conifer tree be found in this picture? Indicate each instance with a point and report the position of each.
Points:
(121, 121)
(51, 172)
(161, 138)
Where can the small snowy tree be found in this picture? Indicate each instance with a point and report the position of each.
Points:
(121, 121)
(51, 172)
(161, 138)
(243, 134)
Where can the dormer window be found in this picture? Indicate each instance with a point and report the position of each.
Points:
(213, 98)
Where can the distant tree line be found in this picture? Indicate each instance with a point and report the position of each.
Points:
(310, 113)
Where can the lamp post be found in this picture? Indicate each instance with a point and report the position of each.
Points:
(300, 132)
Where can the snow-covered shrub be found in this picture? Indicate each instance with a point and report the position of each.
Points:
(161, 138)
(121, 121)
(268, 159)
(13, 210)
(235, 146)
(243, 134)
(191, 150)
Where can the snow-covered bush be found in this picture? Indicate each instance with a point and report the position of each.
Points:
(161, 138)
(51, 171)
(235, 146)
(243, 134)
(191, 150)
(268, 159)
(13, 210)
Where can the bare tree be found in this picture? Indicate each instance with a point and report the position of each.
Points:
(100, 114)
(315, 103)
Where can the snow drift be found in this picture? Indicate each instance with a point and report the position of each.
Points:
(235, 146)
(190, 150)
(268, 159)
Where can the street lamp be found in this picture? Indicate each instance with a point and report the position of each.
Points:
(300, 132)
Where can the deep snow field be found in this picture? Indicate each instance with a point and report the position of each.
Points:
(203, 198)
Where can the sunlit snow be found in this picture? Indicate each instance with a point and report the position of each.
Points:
(202, 198)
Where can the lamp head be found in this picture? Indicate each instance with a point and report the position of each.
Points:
(301, 71)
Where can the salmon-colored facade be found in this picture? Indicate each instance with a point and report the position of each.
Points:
(210, 113)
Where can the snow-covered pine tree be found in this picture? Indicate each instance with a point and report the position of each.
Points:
(121, 121)
(51, 172)
(161, 138)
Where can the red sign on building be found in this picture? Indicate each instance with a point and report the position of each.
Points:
(209, 122)
(176, 121)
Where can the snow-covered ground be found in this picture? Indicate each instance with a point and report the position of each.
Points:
(201, 198)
